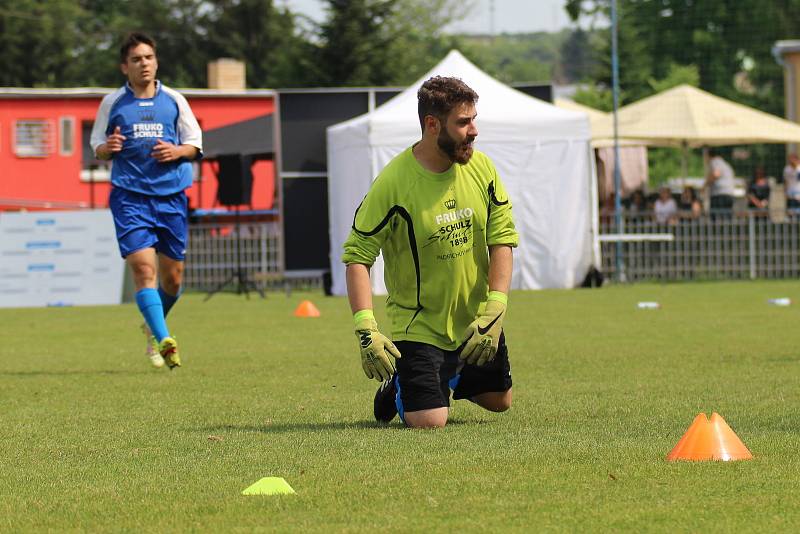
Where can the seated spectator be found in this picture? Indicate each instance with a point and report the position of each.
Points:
(758, 192)
(665, 208)
(637, 203)
(690, 205)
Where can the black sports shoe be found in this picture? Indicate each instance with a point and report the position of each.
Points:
(384, 406)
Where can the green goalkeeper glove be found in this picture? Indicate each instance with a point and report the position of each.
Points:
(483, 334)
(376, 348)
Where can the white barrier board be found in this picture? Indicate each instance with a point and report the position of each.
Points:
(59, 258)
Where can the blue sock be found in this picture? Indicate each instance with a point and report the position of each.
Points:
(167, 300)
(150, 305)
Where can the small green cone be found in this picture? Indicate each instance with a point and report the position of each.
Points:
(269, 486)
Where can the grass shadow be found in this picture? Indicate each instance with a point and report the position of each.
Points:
(274, 428)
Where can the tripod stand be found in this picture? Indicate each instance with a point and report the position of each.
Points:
(238, 276)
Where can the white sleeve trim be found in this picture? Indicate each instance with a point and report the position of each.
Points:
(189, 131)
(98, 136)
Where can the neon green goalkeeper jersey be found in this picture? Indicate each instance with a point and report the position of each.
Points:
(433, 230)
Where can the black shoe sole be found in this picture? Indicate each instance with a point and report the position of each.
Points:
(384, 407)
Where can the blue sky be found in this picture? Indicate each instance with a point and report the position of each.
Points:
(510, 16)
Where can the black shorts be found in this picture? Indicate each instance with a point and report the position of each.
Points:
(426, 374)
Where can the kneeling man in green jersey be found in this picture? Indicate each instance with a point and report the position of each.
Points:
(442, 218)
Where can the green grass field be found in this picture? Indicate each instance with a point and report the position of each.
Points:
(92, 439)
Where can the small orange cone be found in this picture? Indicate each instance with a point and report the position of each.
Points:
(709, 440)
(306, 309)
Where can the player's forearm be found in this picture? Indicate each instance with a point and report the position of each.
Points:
(187, 151)
(501, 265)
(103, 152)
(359, 290)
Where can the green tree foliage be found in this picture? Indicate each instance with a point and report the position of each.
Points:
(677, 75)
(417, 38)
(38, 39)
(102, 25)
(723, 46)
(517, 58)
(576, 57)
(355, 43)
(594, 96)
(266, 38)
(725, 40)
(176, 27)
(61, 43)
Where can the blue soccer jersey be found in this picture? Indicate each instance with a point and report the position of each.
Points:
(166, 116)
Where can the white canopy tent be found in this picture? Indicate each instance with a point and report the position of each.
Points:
(542, 154)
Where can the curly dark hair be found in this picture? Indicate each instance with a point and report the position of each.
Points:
(439, 95)
(133, 40)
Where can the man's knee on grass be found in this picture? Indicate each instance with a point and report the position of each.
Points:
(433, 418)
(494, 401)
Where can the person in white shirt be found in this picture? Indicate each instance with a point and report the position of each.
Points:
(720, 182)
(791, 182)
(665, 207)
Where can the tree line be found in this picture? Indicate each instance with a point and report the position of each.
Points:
(721, 46)
(69, 43)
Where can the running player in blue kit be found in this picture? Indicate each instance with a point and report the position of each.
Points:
(151, 134)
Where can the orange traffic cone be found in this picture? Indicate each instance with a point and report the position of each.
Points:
(306, 309)
(709, 440)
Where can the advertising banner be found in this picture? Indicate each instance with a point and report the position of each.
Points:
(59, 258)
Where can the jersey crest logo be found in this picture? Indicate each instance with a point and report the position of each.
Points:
(450, 204)
(147, 116)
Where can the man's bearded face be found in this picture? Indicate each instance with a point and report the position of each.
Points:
(457, 133)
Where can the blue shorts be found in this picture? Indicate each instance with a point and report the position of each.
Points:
(144, 221)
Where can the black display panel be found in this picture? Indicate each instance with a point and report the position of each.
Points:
(381, 97)
(304, 118)
(541, 91)
(235, 178)
(305, 226)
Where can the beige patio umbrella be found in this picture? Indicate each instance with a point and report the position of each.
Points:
(687, 116)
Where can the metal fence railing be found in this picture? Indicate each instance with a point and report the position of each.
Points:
(740, 245)
(211, 256)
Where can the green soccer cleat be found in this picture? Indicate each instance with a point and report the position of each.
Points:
(151, 350)
(169, 351)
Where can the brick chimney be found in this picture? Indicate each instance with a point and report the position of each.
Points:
(226, 73)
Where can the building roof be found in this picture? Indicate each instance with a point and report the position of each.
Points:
(782, 48)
